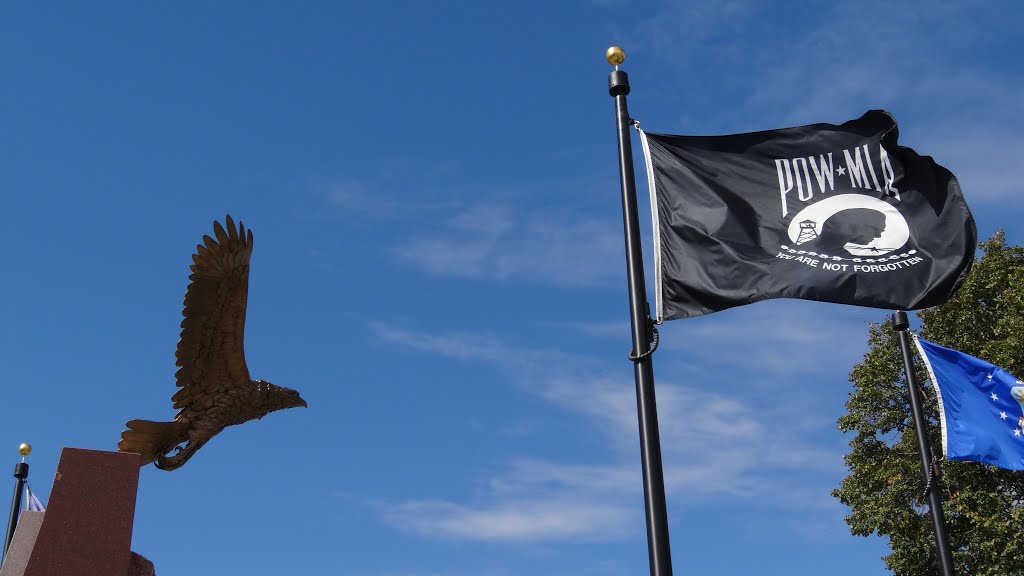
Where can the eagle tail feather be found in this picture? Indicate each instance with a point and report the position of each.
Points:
(151, 439)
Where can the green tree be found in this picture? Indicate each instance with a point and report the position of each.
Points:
(984, 505)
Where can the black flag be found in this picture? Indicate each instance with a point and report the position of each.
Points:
(822, 212)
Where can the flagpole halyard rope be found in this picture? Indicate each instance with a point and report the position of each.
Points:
(934, 473)
(654, 345)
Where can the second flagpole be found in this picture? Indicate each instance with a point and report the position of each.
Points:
(658, 551)
(20, 474)
(901, 323)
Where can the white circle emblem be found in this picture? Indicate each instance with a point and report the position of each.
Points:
(894, 236)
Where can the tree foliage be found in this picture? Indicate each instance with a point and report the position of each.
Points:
(983, 505)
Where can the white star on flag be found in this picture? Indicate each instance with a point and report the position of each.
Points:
(1002, 415)
(994, 397)
(1016, 431)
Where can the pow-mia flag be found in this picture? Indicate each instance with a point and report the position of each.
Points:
(822, 212)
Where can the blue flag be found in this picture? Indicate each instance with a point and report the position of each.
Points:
(981, 407)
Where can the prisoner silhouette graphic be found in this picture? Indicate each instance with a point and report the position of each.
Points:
(848, 224)
(858, 226)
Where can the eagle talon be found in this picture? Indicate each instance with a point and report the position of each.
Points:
(181, 455)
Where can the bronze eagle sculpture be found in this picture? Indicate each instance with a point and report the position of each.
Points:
(215, 388)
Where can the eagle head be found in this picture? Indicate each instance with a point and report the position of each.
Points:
(273, 397)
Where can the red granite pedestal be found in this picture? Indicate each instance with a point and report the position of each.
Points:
(87, 527)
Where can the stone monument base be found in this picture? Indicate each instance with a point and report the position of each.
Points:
(87, 528)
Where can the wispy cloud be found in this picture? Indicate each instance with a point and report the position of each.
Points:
(462, 346)
(550, 518)
(485, 237)
(714, 444)
(359, 201)
(710, 442)
(532, 476)
(497, 242)
(781, 340)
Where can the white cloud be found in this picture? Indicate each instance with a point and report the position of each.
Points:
(780, 342)
(713, 445)
(530, 476)
(360, 201)
(487, 236)
(475, 347)
(486, 241)
(514, 520)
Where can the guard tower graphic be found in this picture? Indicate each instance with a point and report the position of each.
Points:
(808, 231)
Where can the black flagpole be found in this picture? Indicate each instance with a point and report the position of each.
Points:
(640, 320)
(20, 474)
(930, 470)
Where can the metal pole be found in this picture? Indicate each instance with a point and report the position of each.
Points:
(20, 474)
(650, 444)
(900, 323)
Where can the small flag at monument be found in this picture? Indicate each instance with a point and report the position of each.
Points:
(835, 213)
(981, 407)
(32, 501)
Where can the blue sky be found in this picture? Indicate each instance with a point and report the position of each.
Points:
(439, 268)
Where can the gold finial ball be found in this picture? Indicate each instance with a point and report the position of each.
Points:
(615, 55)
(25, 449)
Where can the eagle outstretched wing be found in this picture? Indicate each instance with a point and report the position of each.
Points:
(210, 352)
